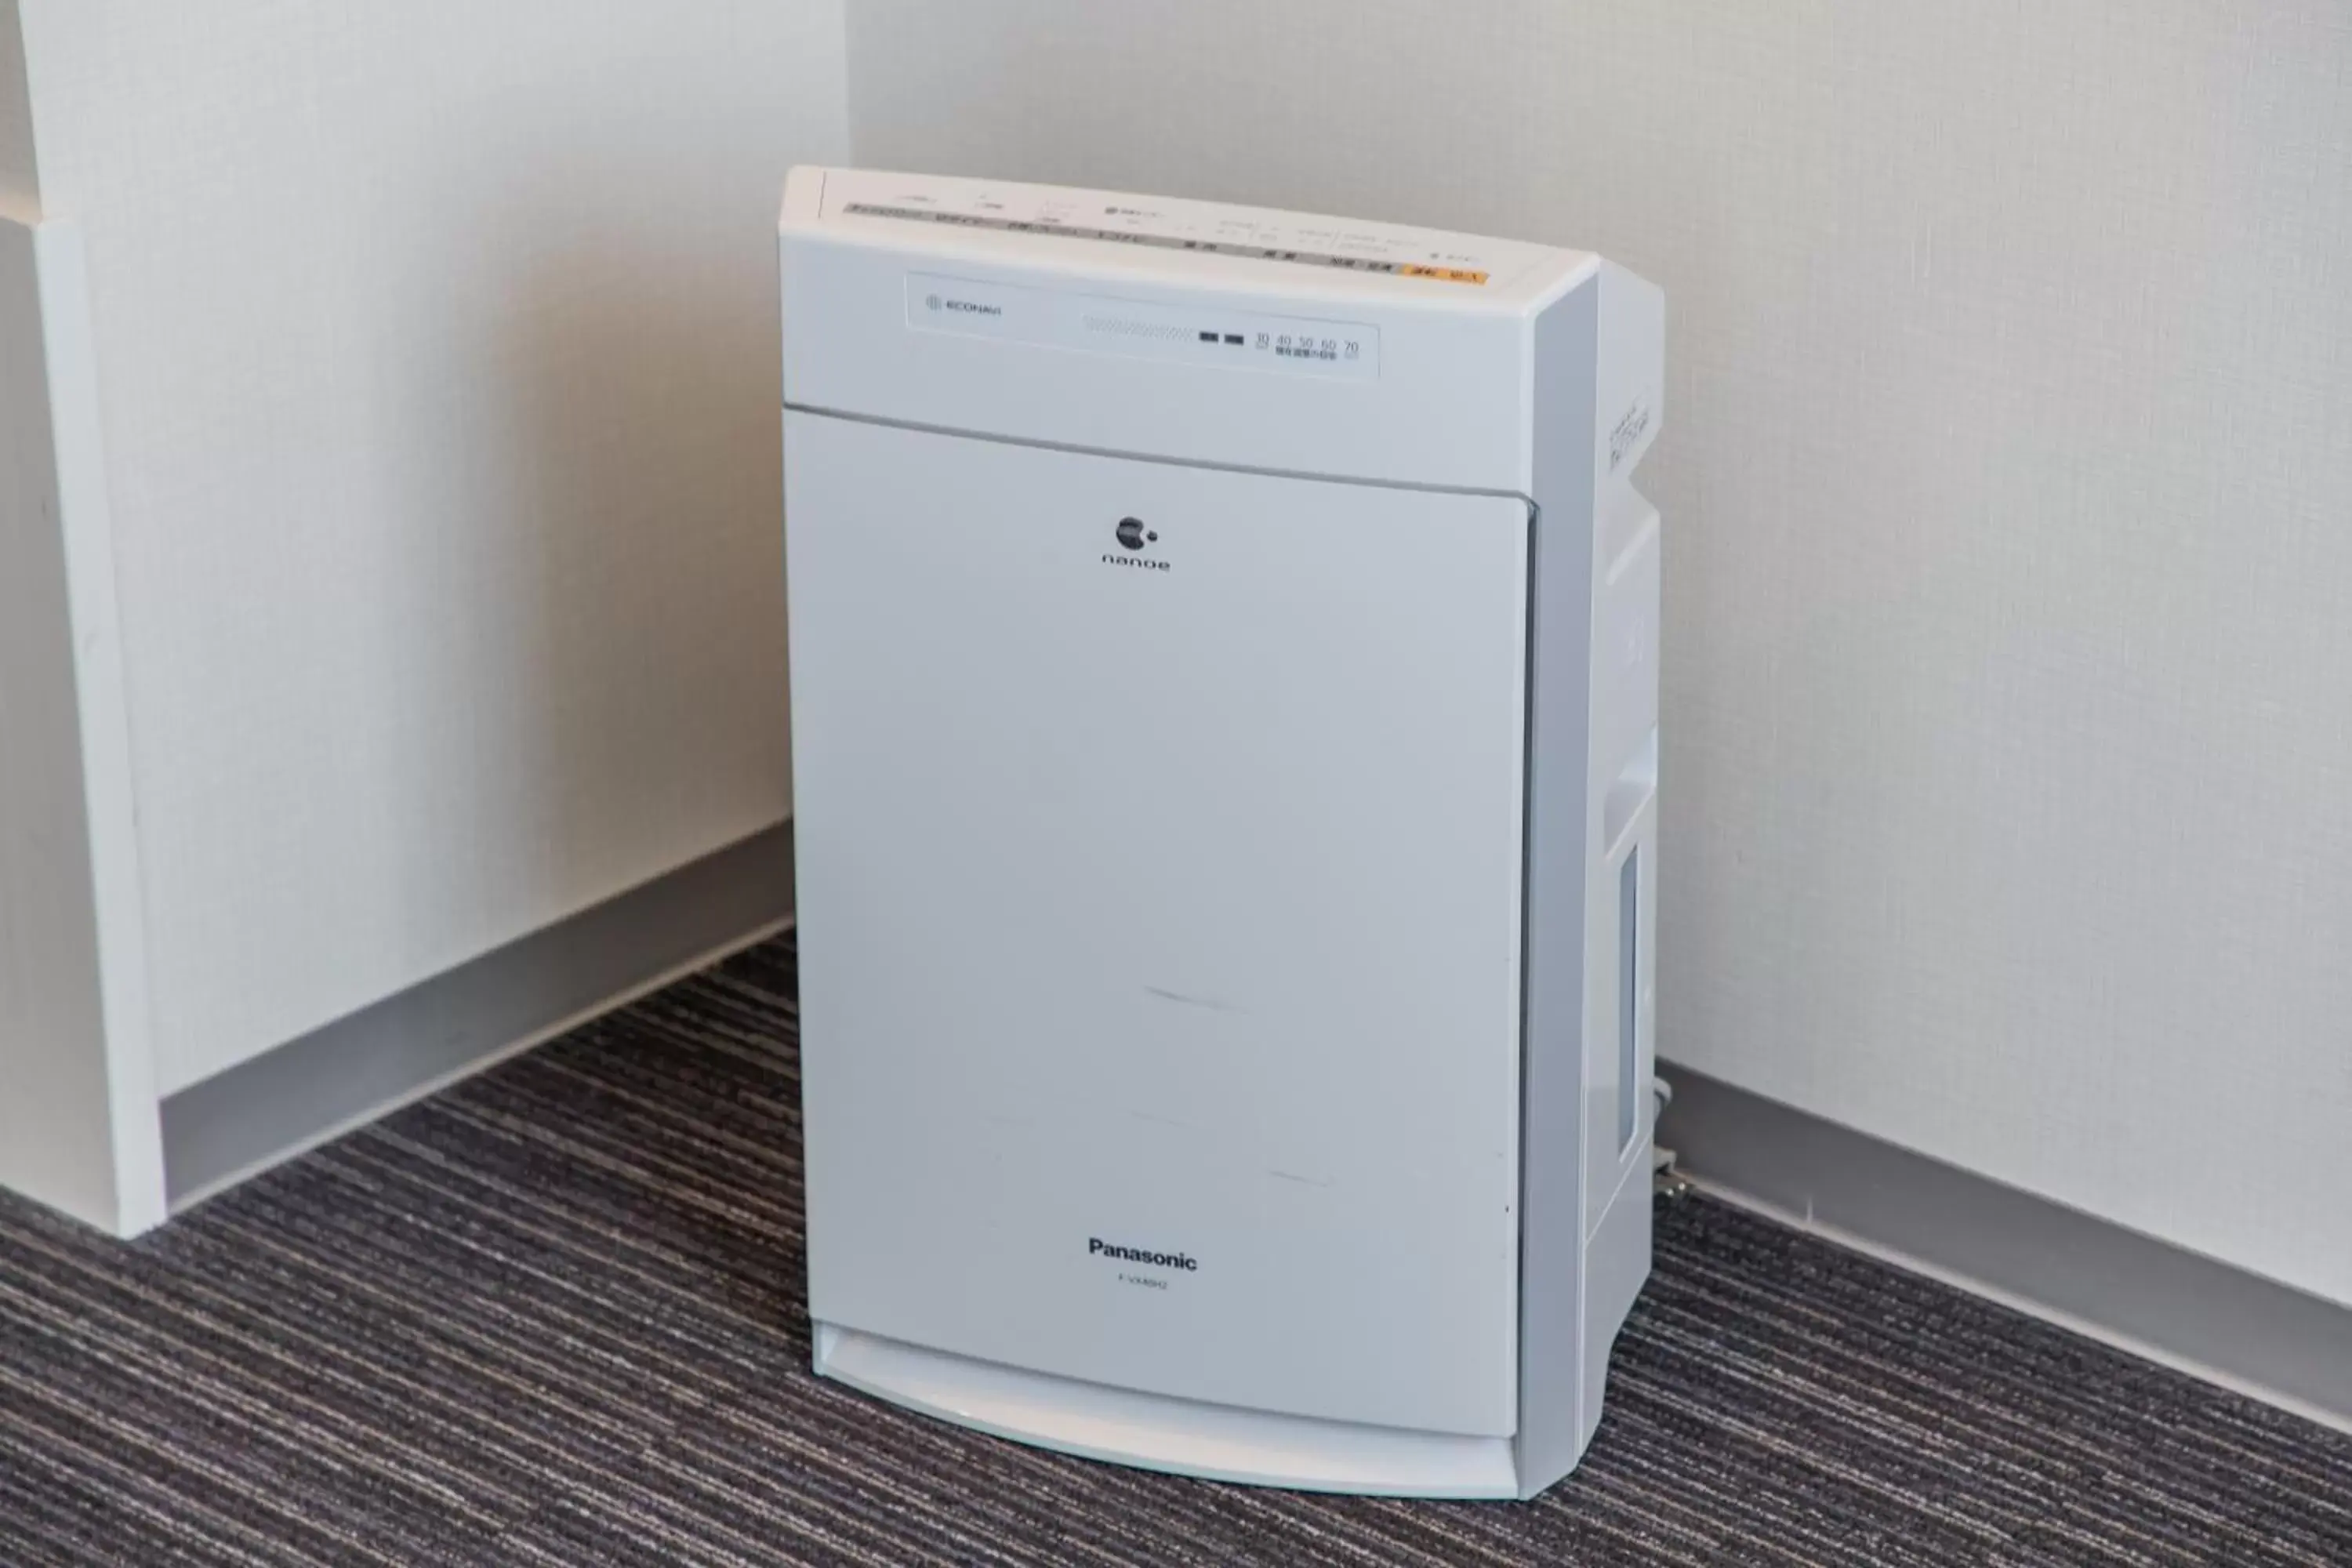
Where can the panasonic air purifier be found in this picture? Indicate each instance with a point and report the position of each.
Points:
(1224, 651)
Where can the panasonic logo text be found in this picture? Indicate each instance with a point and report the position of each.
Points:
(1097, 1248)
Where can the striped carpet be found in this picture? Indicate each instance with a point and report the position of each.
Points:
(553, 1316)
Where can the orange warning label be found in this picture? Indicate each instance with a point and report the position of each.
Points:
(1442, 274)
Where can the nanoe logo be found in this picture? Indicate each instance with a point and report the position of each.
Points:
(1097, 1248)
(1132, 535)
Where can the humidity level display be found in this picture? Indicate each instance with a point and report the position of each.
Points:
(1291, 345)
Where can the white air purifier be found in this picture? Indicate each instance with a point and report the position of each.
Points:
(1224, 652)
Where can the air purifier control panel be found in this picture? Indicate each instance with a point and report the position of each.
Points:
(1201, 332)
(1348, 250)
(1467, 263)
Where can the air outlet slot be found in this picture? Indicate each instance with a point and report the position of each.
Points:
(1629, 998)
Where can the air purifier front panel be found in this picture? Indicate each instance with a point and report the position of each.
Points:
(1160, 890)
(1224, 709)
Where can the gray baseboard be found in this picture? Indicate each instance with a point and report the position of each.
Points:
(238, 1123)
(2253, 1334)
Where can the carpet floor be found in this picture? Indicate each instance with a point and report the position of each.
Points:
(554, 1316)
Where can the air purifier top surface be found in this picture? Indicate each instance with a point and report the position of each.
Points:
(1192, 332)
(1121, 235)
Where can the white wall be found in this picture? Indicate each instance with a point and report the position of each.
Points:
(78, 1125)
(52, 1025)
(2009, 479)
(436, 350)
(19, 189)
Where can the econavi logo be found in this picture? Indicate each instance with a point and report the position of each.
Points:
(954, 306)
(1097, 1248)
(1133, 537)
